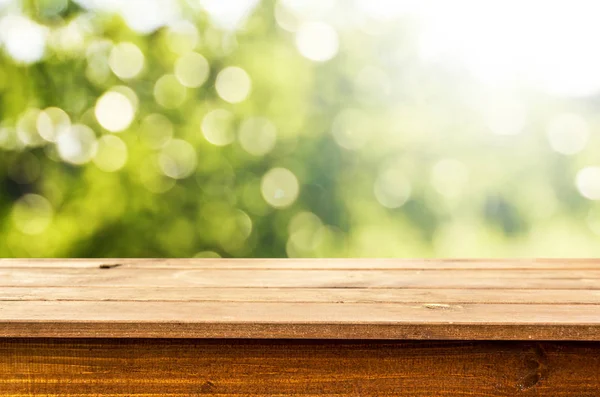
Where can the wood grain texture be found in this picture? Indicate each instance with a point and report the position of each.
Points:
(314, 263)
(292, 278)
(266, 298)
(301, 295)
(109, 367)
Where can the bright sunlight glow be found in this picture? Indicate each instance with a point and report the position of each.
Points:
(548, 45)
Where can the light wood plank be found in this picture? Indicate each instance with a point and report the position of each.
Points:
(299, 295)
(148, 298)
(297, 320)
(308, 264)
(284, 312)
(397, 278)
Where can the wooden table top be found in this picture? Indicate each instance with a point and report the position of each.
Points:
(301, 298)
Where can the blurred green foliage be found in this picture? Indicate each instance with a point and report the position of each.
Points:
(372, 151)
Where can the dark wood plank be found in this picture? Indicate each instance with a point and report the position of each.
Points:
(109, 367)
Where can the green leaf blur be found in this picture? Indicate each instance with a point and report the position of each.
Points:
(180, 132)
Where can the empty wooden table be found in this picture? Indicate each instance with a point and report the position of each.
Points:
(326, 327)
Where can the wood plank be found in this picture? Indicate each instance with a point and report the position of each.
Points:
(259, 278)
(299, 295)
(306, 264)
(298, 320)
(187, 368)
(118, 300)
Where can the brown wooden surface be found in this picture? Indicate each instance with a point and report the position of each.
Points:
(105, 367)
(325, 298)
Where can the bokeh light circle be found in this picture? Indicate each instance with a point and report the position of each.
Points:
(156, 130)
(182, 37)
(217, 127)
(23, 39)
(32, 214)
(233, 84)
(77, 145)
(169, 92)
(207, 254)
(317, 41)
(152, 176)
(392, 189)
(568, 133)
(114, 111)
(192, 69)
(111, 155)
(126, 60)
(51, 122)
(588, 182)
(257, 135)
(280, 187)
(305, 233)
(27, 130)
(178, 159)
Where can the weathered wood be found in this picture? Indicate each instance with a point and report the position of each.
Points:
(263, 298)
(300, 320)
(307, 264)
(109, 367)
(324, 278)
(301, 295)
(301, 327)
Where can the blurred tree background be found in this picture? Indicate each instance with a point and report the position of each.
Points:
(298, 128)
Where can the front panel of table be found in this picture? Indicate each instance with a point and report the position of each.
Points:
(195, 367)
